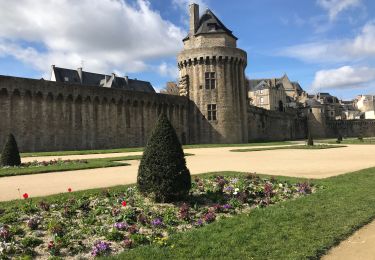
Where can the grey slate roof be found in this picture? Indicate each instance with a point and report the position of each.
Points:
(209, 24)
(61, 74)
(101, 80)
(208, 21)
(313, 103)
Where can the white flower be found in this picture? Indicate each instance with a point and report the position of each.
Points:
(280, 185)
(236, 190)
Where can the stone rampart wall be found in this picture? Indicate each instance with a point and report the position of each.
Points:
(51, 116)
(350, 128)
(268, 125)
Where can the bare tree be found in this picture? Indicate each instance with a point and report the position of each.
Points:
(171, 88)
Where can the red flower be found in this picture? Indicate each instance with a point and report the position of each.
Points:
(123, 203)
(25, 195)
(69, 189)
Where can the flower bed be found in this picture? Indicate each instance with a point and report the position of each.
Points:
(57, 162)
(110, 222)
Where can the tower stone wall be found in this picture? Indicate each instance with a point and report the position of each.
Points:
(213, 57)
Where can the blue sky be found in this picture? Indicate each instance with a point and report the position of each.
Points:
(326, 45)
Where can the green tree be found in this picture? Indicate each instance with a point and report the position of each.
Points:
(162, 174)
(10, 155)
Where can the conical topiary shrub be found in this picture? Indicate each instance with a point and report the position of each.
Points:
(310, 141)
(162, 174)
(10, 155)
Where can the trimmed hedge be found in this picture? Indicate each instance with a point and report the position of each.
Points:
(10, 155)
(162, 174)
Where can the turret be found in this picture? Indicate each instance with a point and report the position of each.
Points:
(212, 76)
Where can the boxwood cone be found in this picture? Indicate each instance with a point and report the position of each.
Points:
(162, 174)
(10, 155)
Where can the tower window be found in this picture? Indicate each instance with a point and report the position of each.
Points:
(211, 112)
(210, 80)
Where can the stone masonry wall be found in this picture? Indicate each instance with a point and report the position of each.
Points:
(51, 116)
(268, 125)
(350, 128)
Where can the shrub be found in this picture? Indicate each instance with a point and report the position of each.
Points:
(31, 242)
(310, 140)
(339, 138)
(10, 155)
(360, 138)
(162, 174)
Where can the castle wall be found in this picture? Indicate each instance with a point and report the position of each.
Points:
(51, 116)
(268, 125)
(350, 128)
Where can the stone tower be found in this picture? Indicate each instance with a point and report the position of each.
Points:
(212, 76)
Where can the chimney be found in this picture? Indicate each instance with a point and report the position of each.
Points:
(79, 70)
(194, 18)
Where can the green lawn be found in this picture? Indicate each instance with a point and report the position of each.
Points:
(304, 228)
(307, 147)
(89, 164)
(140, 149)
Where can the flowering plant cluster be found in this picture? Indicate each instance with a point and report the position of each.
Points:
(49, 163)
(108, 222)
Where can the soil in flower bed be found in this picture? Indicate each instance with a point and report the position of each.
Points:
(112, 221)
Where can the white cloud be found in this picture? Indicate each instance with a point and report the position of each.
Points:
(359, 48)
(334, 7)
(107, 35)
(168, 70)
(344, 77)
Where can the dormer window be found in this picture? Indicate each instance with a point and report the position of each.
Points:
(212, 27)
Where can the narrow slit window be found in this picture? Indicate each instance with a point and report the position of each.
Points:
(210, 82)
(211, 112)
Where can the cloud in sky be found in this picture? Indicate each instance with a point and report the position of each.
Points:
(358, 48)
(344, 77)
(334, 7)
(107, 35)
(168, 70)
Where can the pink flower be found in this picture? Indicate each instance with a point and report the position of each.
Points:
(69, 189)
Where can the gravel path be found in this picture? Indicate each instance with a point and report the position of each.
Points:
(300, 163)
(360, 246)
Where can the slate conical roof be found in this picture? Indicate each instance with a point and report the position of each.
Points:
(209, 23)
